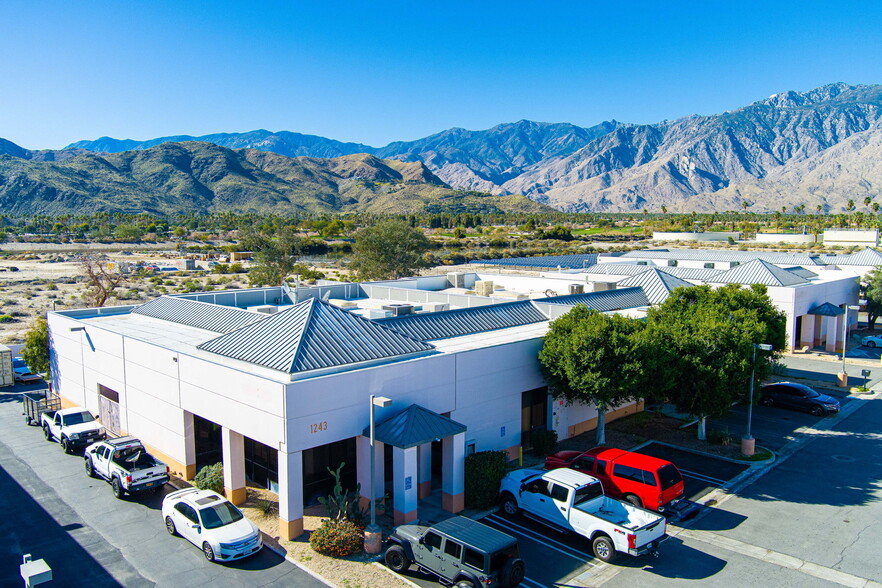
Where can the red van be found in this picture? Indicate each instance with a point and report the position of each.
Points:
(642, 480)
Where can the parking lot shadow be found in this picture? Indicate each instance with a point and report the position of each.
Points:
(26, 527)
(716, 519)
(671, 562)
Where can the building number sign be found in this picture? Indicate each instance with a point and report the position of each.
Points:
(316, 427)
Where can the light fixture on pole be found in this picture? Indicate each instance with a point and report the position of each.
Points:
(372, 534)
(748, 443)
(843, 375)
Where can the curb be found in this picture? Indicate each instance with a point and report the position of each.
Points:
(397, 576)
(273, 545)
(706, 454)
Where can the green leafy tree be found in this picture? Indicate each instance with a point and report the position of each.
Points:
(699, 346)
(873, 293)
(275, 255)
(390, 249)
(35, 352)
(593, 358)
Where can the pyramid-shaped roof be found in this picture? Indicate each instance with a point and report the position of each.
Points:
(313, 335)
(827, 309)
(758, 272)
(656, 284)
(203, 315)
(414, 426)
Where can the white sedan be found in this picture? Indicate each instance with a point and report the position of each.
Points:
(211, 522)
(872, 341)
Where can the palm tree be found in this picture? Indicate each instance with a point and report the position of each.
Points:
(849, 207)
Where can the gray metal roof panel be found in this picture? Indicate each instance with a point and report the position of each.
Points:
(415, 426)
(866, 256)
(692, 273)
(656, 284)
(211, 317)
(616, 269)
(432, 326)
(827, 309)
(313, 335)
(605, 301)
(759, 271)
(576, 261)
(725, 256)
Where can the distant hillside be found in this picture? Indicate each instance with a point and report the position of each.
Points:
(203, 177)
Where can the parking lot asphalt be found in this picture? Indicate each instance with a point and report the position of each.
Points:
(53, 511)
(701, 472)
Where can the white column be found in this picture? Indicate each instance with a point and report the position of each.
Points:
(834, 330)
(189, 464)
(453, 473)
(424, 459)
(290, 494)
(405, 475)
(363, 469)
(233, 445)
(807, 332)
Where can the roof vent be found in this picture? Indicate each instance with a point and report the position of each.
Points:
(399, 309)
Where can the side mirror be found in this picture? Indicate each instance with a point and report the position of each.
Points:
(197, 528)
(422, 540)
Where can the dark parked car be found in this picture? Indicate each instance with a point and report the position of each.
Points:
(460, 551)
(798, 397)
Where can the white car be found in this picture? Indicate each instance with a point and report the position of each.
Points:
(211, 522)
(23, 372)
(872, 341)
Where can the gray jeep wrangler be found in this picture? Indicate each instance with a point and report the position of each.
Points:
(459, 551)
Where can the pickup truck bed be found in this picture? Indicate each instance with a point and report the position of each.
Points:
(618, 513)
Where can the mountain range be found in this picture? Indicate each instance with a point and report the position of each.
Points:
(820, 147)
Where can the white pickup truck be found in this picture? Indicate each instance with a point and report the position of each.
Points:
(572, 501)
(126, 465)
(73, 427)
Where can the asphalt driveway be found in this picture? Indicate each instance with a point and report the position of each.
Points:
(52, 510)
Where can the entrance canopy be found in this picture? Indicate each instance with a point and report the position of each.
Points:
(414, 426)
(826, 309)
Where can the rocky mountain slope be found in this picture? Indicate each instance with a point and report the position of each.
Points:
(202, 177)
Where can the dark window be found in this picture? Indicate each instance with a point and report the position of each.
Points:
(106, 392)
(473, 558)
(318, 482)
(709, 265)
(261, 464)
(433, 540)
(586, 493)
(539, 486)
(534, 414)
(734, 263)
(188, 511)
(672, 263)
(790, 391)
(628, 473)
(453, 549)
(78, 418)
(559, 493)
(222, 513)
(586, 462)
(601, 466)
(649, 478)
(669, 475)
(642, 263)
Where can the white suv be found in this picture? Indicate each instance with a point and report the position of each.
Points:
(211, 522)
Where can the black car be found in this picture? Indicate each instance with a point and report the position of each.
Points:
(798, 397)
(460, 551)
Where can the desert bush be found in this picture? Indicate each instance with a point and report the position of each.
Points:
(337, 538)
(211, 477)
(484, 471)
(6, 318)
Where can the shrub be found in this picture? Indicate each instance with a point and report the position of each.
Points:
(343, 504)
(337, 538)
(266, 507)
(483, 473)
(6, 318)
(211, 477)
(544, 442)
(720, 438)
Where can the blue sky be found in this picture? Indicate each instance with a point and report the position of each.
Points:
(375, 72)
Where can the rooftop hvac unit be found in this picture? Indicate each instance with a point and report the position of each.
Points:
(456, 279)
(484, 288)
(576, 288)
(265, 309)
(399, 309)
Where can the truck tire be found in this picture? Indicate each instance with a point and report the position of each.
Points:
(635, 500)
(467, 583)
(513, 573)
(90, 470)
(118, 490)
(396, 559)
(603, 548)
(509, 505)
(47, 433)
(65, 445)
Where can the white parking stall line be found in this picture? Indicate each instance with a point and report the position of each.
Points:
(532, 583)
(545, 540)
(702, 477)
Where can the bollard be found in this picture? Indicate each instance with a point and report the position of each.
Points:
(373, 541)
(748, 446)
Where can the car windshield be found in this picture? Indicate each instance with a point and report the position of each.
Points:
(220, 514)
(809, 393)
(78, 418)
(668, 475)
(19, 363)
(498, 559)
(586, 493)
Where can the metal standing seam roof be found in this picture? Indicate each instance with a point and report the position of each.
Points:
(575, 261)
(415, 426)
(605, 301)
(656, 284)
(475, 534)
(432, 326)
(802, 272)
(759, 271)
(313, 335)
(617, 269)
(725, 256)
(827, 309)
(691, 273)
(867, 256)
(211, 317)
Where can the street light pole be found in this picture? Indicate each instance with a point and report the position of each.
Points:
(748, 443)
(843, 376)
(372, 534)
